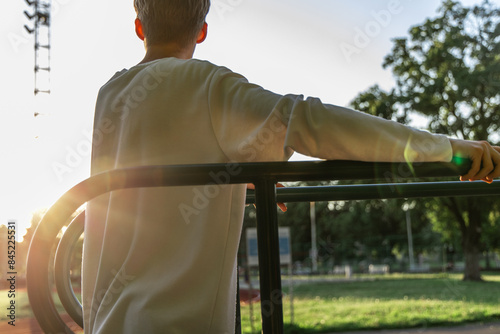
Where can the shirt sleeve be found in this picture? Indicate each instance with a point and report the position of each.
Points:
(253, 124)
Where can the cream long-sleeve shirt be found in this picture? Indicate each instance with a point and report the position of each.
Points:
(163, 260)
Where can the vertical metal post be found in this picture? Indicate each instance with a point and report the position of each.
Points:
(269, 257)
(237, 329)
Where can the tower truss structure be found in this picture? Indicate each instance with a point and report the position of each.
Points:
(40, 16)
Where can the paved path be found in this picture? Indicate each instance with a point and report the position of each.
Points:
(30, 326)
(491, 328)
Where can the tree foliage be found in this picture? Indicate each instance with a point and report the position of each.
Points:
(448, 70)
(357, 233)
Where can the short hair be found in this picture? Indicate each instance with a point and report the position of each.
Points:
(167, 21)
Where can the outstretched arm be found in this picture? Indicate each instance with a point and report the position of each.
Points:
(271, 126)
(485, 159)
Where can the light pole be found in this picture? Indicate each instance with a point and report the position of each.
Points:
(314, 247)
(407, 207)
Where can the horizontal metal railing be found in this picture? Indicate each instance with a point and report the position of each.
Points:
(264, 176)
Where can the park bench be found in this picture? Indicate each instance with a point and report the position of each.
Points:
(342, 270)
(264, 176)
(420, 268)
(378, 269)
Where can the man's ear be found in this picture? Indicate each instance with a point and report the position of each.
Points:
(203, 33)
(138, 29)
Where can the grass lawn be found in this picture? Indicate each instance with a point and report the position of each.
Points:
(390, 301)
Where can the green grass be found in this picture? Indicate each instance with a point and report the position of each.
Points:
(391, 301)
(376, 302)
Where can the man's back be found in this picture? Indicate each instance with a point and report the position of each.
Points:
(156, 259)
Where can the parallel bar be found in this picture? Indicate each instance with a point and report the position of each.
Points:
(269, 257)
(186, 175)
(160, 176)
(382, 191)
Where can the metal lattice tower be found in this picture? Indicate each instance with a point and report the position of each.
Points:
(41, 10)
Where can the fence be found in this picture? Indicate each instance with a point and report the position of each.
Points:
(264, 176)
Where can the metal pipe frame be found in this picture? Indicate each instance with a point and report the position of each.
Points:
(62, 268)
(264, 176)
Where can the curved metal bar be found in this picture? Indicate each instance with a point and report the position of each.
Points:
(62, 269)
(159, 176)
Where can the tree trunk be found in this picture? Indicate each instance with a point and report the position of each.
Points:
(471, 240)
(472, 270)
(471, 235)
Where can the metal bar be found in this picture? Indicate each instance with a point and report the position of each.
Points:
(382, 191)
(186, 175)
(237, 329)
(269, 257)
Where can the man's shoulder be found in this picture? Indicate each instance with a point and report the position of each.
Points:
(178, 64)
(164, 67)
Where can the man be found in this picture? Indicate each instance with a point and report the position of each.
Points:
(164, 260)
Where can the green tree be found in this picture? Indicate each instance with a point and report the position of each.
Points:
(353, 232)
(448, 70)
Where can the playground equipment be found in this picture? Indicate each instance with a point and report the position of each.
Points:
(264, 176)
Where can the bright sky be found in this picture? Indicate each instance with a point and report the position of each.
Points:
(328, 49)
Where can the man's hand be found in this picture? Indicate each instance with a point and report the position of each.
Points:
(485, 159)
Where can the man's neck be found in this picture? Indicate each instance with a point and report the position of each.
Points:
(160, 51)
